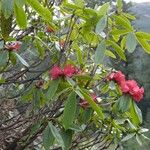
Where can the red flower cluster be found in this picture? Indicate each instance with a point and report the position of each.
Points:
(83, 103)
(127, 86)
(13, 46)
(69, 70)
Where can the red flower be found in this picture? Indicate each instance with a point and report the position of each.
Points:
(69, 70)
(124, 87)
(119, 77)
(14, 46)
(134, 90)
(83, 103)
(131, 84)
(55, 72)
(49, 29)
(127, 86)
(138, 94)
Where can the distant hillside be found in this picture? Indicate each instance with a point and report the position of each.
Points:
(142, 11)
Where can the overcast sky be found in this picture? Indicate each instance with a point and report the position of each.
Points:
(138, 1)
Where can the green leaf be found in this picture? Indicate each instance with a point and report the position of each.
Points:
(40, 48)
(52, 89)
(118, 49)
(7, 8)
(3, 58)
(48, 138)
(145, 45)
(13, 58)
(119, 5)
(101, 25)
(129, 136)
(87, 114)
(80, 3)
(104, 9)
(123, 42)
(76, 128)
(100, 53)
(42, 11)
(69, 110)
(78, 53)
(143, 35)
(57, 135)
(110, 54)
(119, 32)
(22, 60)
(19, 3)
(6, 26)
(131, 42)
(95, 107)
(20, 16)
(129, 16)
(67, 138)
(135, 114)
(123, 104)
(138, 138)
(122, 22)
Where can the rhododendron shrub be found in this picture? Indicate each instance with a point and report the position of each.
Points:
(55, 91)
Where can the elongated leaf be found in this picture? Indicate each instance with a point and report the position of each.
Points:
(80, 3)
(100, 53)
(20, 16)
(78, 53)
(129, 136)
(101, 25)
(131, 42)
(119, 31)
(67, 138)
(57, 135)
(123, 42)
(143, 35)
(3, 58)
(48, 138)
(138, 138)
(119, 5)
(110, 54)
(118, 49)
(103, 9)
(76, 128)
(6, 25)
(70, 110)
(145, 45)
(22, 60)
(40, 48)
(19, 3)
(94, 106)
(135, 113)
(42, 11)
(52, 89)
(7, 8)
(123, 103)
(129, 16)
(120, 21)
(86, 115)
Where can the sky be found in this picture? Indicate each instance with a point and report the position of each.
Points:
(138, 1)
